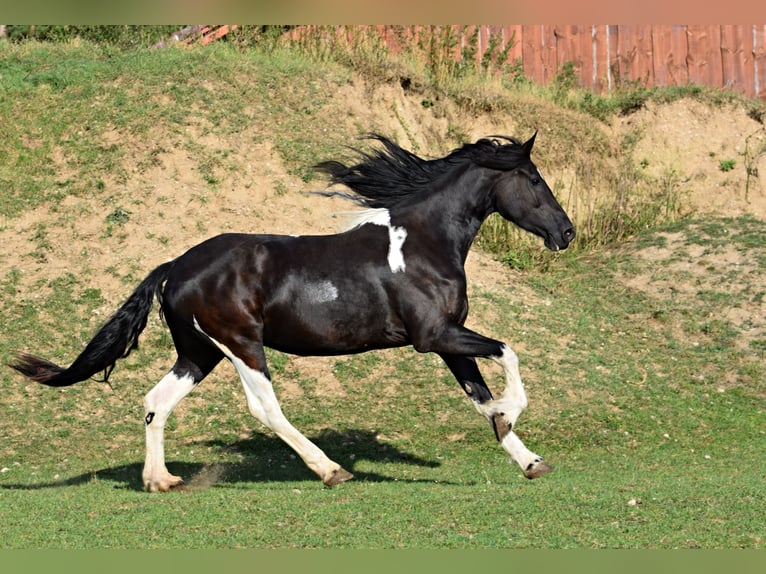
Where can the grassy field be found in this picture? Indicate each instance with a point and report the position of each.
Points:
(654, 422)
(644, 364)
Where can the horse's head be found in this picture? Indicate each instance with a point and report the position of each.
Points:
(522, 197)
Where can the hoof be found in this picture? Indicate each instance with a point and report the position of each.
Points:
(337, 476)
(165, 485)
(537, 469)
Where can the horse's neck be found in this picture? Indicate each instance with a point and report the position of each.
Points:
(451, 217)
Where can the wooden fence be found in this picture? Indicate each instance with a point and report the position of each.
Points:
(727, 56)
(606, 57)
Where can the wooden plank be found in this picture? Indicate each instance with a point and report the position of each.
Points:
(759, 61)
(573, 44)
(483, 41)
(670, 53)
(513, 34)
(495, 39)
(587, 48)
(705, 67)
(457, 34)
(736, 59)
(635, 55)
(600, 59)
(465, 41)
(549, 55)
(613, 56)
(532, 57)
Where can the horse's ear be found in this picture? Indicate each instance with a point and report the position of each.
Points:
(527, 145)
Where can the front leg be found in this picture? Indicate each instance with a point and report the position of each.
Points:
(458, 346)
(513, 400)
(467, 373)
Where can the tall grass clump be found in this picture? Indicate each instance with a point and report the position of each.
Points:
(361, 48)
(431, 59)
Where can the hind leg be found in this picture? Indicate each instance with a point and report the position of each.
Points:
(250, 362)
(264, 406)
(164, 397)
(158, 404)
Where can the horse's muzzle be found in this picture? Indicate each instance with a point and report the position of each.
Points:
(560, 241)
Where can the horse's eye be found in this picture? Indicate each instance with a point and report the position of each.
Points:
(535, 180)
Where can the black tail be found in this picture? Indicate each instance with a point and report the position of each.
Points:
(115, 340)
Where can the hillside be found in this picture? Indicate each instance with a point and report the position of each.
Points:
(642, 348)
(173, 185)
(163, 195)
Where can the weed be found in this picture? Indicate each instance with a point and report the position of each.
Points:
(118, 216)
(727, 164)
(751, 155)
(280, 188)
(457, 134)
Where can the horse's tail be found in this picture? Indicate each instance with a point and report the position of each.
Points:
(115, 340)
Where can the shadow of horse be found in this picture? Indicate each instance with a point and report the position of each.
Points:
(264, 458)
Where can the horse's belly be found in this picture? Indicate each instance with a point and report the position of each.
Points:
(331, 329)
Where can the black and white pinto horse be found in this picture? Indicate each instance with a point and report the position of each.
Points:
(396, 277)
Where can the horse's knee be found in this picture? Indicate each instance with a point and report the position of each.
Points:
(477, 392)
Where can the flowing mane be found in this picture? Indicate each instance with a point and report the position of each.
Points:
(386, 177)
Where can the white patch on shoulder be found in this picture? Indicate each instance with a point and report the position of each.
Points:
(321, 292)
(396, 235)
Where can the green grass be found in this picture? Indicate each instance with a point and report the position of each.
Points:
(645, 375)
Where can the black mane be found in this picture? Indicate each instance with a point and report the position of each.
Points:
(385, 177)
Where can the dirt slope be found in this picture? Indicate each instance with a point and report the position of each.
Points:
(161, 210)
(688, 140)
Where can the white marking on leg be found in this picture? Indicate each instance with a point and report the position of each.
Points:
(158, 404)
(263, 405)
(509, 406)
(513, 400)
(396, 235)
(524, 457)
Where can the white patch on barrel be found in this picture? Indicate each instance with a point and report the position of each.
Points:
(321, 292)
(396, 235)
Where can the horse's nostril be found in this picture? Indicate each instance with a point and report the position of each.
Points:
(569, 233)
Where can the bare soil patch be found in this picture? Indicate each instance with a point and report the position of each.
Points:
(686, 141)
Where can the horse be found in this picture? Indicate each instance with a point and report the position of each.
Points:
(394, 277)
